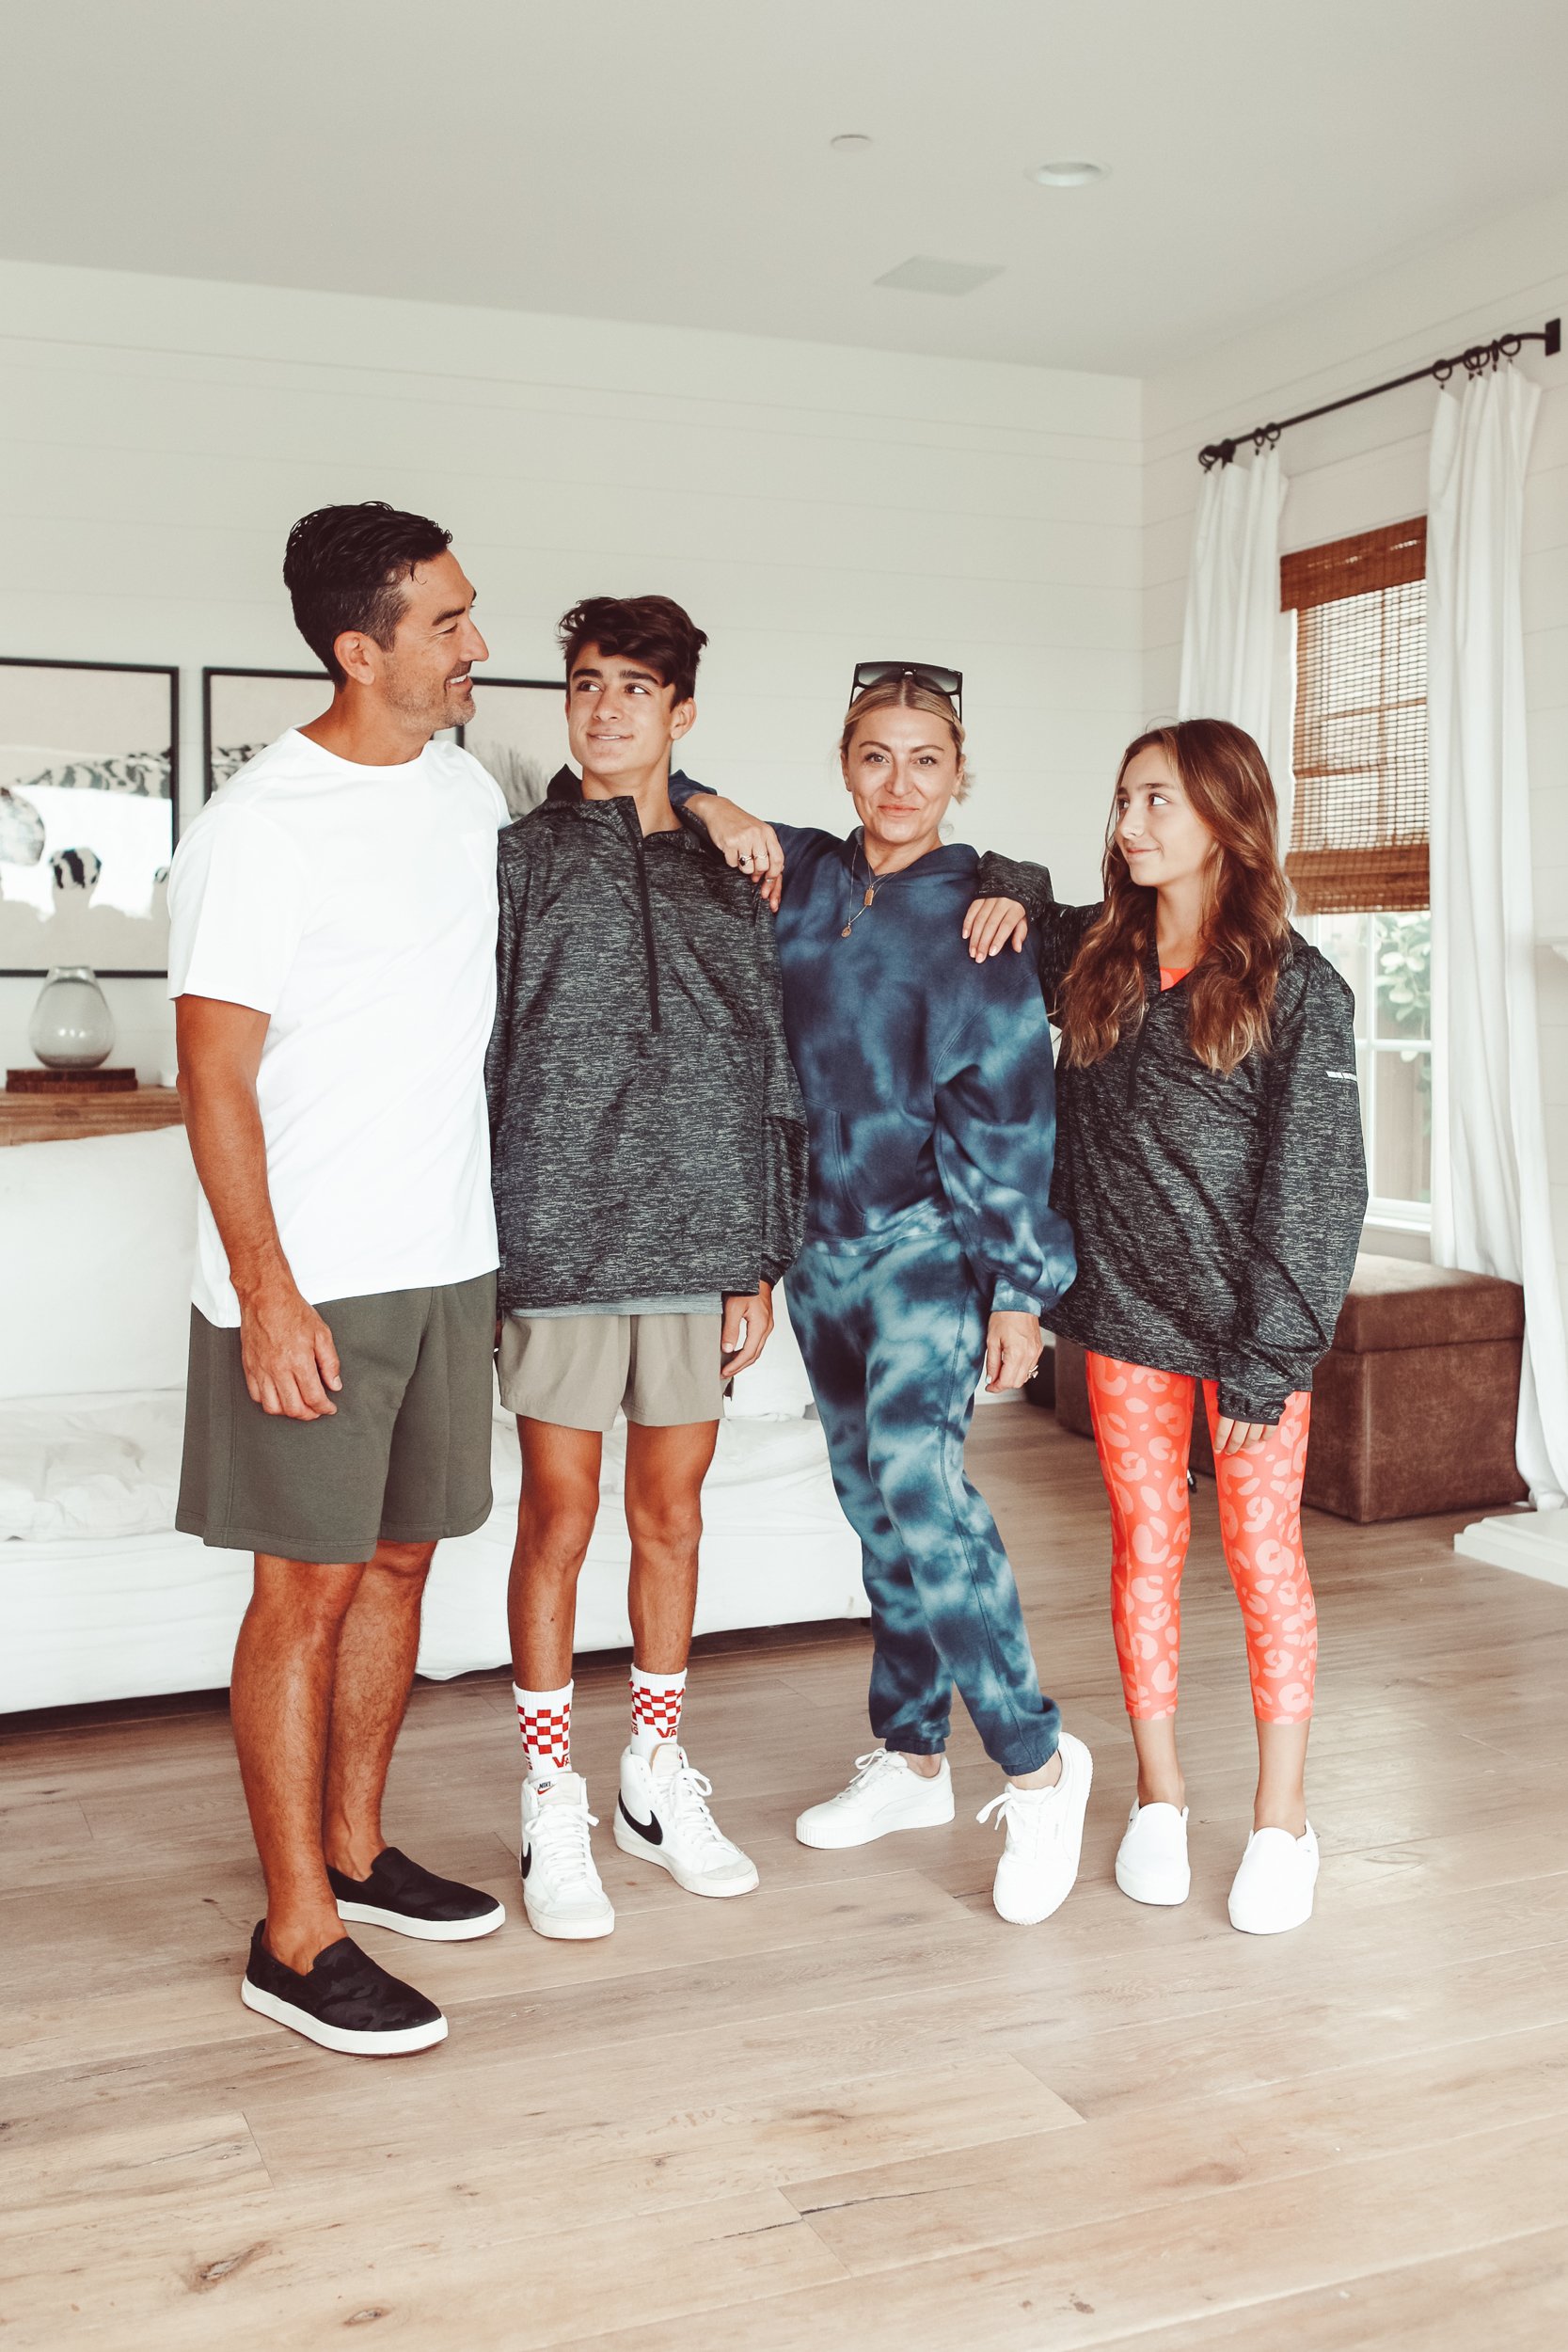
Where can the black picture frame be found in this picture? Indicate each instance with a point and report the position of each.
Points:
(538, 758)
(170, 673)
(220, 670)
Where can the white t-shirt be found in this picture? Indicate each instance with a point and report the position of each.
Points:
(356, 906)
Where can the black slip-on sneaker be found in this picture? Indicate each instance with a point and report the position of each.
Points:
(345, 2002)
(412, 1900)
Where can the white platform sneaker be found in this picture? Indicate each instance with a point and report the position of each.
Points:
(561, 1891)
(885, 1794)
(1152, 1860)
(663, 1817)
(1045, 1839)
(1272, 1892)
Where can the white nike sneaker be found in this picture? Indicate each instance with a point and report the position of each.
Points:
(662, 1817)
(885, 1794)
(1152, 1860)
(561, 1891)
(1272, 1892)
(1045, 1837)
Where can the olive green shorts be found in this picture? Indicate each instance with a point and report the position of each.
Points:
(576, 1372)
(404, 1459)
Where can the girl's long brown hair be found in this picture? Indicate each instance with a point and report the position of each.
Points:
(1246, 915)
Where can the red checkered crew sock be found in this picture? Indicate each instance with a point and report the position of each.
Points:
(545, 1719)
(655, 1709)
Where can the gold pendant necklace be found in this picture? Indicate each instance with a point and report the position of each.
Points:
(870, 896)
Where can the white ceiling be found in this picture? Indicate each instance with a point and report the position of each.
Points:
(671, 162)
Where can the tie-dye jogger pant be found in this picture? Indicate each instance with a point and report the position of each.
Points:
(894, 1334)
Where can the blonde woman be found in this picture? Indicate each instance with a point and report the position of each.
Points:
(931, 1249)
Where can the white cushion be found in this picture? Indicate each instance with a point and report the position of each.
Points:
(90, 1466)
(776, 1386)
(96, 1243)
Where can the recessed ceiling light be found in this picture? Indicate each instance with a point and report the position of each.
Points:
(919, 274)
(1068, 175)
(851, 142)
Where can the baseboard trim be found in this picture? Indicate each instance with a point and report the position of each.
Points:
(1530, 1543)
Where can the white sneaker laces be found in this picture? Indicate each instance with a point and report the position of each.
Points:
(1028, 1821)
(559, 1834)
(688, 1790)
(867, 1768)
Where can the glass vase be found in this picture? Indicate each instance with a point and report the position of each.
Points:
(71, 1027)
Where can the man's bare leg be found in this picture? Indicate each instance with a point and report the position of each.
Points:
(280, 1705)
(663, 1816)
(555, 1523)
(376, 1653)
(665, 1470)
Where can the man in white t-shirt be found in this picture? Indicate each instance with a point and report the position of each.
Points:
(332, 915)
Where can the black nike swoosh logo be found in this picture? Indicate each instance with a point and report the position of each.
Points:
(525, 1858)
(652, 1830)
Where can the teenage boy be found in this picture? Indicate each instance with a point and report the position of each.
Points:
(332, 926)
(650, 1159)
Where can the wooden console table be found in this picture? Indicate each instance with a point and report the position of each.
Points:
(61, 1118)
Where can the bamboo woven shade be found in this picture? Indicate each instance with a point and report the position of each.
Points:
(1358, 838)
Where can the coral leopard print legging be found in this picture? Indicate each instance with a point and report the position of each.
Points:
(1143, 1426)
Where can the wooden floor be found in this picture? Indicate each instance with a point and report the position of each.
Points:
(855, 2112)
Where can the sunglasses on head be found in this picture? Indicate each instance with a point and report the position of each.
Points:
(928, 674)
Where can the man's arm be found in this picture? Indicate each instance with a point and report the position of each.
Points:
(750, 844)
(289, 1362)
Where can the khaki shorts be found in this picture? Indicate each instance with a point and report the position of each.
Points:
(576, 1372)
(405, 1458)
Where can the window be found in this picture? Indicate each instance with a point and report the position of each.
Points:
(1387, 958)
(1358, 837)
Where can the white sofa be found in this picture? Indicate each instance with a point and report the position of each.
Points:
(101, 1598)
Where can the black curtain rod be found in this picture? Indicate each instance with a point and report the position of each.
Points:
(1474, 361)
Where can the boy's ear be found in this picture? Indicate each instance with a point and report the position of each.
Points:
(682, 719)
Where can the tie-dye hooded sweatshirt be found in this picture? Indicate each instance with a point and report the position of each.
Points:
(927, 1077)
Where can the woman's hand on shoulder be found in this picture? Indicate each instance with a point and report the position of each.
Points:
(745, 842)
(1013, 1345)
(992, 924)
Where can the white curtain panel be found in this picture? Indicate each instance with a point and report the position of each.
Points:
(1491, 1207)
(1236, 644)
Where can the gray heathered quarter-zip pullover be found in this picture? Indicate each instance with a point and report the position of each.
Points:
(1217, 1218)
(648, 1139)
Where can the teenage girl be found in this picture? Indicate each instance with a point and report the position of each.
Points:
(1210, 1165)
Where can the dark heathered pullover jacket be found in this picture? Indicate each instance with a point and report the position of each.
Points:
(1217, 1218)
(647, 1132)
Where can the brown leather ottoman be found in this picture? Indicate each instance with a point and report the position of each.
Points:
(1412, 1408)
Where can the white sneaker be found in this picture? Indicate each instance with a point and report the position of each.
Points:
(561, 1891)
(1272, 1892)
(1045, 1837)
(1152, 1860)
(886, 1793)
(662, 1817)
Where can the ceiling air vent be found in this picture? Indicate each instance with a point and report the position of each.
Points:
(922, 274)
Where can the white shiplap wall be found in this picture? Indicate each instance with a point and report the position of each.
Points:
(1369, 466)
(810, 505)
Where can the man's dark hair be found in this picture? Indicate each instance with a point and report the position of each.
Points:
(639, 628)
(344, 567)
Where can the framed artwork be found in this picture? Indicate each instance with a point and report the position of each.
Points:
(90, 779)
(519, 732)
(244, 710)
